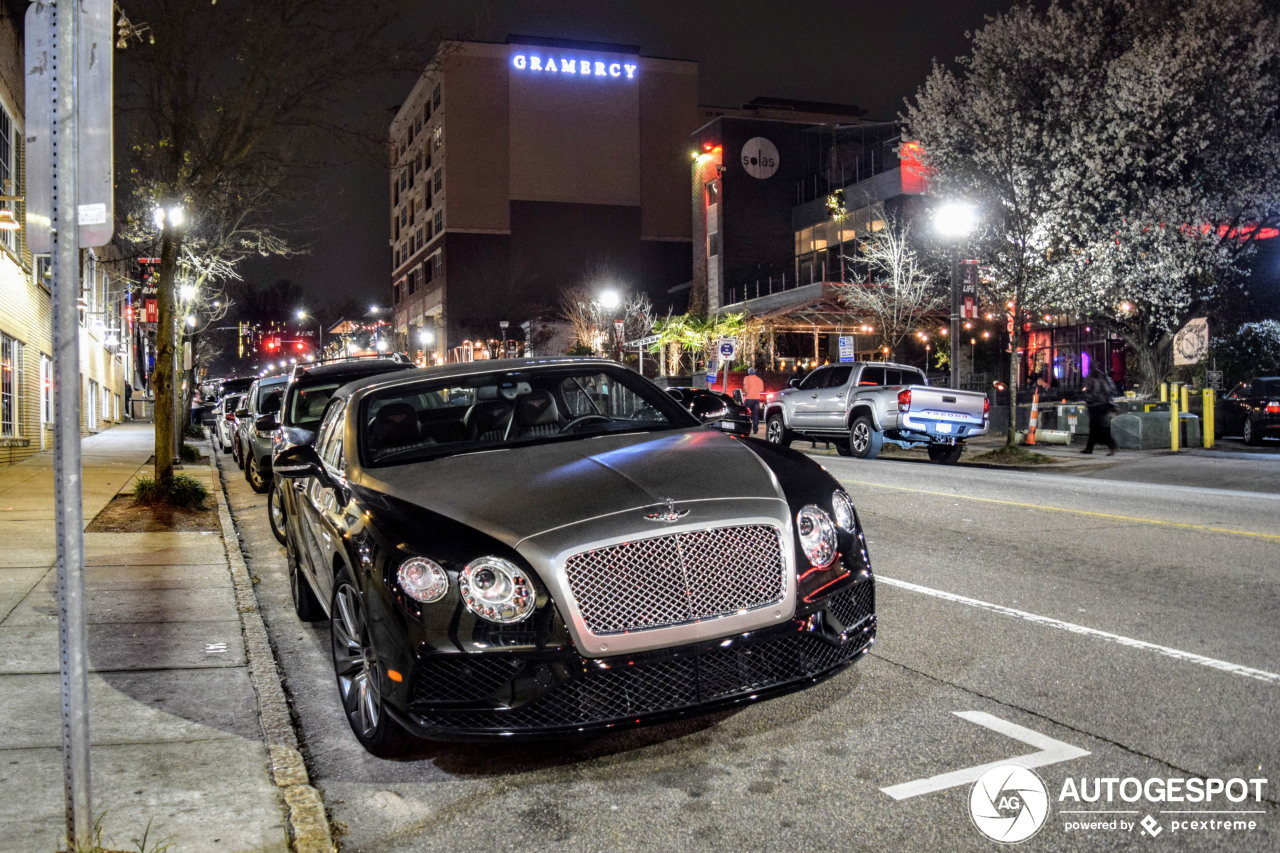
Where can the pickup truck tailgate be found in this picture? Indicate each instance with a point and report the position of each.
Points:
(942, 411)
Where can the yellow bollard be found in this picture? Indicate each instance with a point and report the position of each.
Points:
(1183, 400)
(1206, 420)
(1164, 392)
(1174, 432)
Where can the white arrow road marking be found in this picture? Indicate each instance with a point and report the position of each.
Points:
(1051, 752)
(215, 648)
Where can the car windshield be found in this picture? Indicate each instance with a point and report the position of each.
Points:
(305, 406)
(509, 408)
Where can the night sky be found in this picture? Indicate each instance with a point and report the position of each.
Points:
(841, 51)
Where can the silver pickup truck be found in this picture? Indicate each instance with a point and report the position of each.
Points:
(856, 406)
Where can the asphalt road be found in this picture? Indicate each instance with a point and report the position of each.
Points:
(1126, 629)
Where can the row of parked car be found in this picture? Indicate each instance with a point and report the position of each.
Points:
(546, 547)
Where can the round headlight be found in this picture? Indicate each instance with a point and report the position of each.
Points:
(423, 580)
(843, 508)
(817, 535)
(496, 590)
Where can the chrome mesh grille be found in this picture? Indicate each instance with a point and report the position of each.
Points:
(682, 577)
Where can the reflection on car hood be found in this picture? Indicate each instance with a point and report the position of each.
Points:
(516, 493)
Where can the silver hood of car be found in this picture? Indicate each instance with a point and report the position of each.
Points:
(562, 502)
(516, 493)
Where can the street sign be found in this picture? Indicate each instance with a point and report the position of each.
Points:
(1213, 379)
(643, 342)
(95, 40)
(846, 348)
(728, 350)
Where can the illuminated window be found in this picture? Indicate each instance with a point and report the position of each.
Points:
(12, 403)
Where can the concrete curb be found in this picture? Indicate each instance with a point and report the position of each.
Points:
(308, 823)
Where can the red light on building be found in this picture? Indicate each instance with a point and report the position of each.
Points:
(914, 181)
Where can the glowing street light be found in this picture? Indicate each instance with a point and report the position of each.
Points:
(954, 221)
(609, 300)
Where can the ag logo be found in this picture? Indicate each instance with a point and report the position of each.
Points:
(1009, 803)
(759, 157)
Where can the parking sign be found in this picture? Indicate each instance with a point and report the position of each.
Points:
(728, 350)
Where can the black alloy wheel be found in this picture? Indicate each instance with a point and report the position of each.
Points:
(355, 663)
(1251, 436)
(945, 454)
(275, 509)
(305, 602)
(776, 432)
(864, 440)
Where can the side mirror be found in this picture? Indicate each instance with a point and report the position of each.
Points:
(266, 423)
(794, 383)
(242, 413)
(299, 461)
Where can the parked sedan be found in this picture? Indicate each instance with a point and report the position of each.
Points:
(1250, 410)
(549, 547)
(712, 407)
(224, 420)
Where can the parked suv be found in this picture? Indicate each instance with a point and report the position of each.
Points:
(305, 397)
(257, 434)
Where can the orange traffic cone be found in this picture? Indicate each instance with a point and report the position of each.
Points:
(1035, 416)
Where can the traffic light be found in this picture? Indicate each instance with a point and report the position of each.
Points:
(272, 345)
(299, 346)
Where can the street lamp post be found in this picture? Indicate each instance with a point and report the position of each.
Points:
(302, 315)
(954, 221)
(502, 324)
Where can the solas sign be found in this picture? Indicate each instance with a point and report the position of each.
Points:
(567, 65)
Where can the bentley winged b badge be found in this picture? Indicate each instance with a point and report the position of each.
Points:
(669, 514)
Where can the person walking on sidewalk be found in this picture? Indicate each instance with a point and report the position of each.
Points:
(752, 392)
(1098, 393)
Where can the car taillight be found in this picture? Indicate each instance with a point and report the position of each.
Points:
(1273, 408)
(986, 406)
(904, 400)
(768, 396)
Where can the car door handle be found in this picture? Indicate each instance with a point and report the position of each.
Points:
(815, 396)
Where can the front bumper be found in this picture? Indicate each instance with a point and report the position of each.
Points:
(536, 694)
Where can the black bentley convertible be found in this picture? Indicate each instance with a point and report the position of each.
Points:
(547, 547)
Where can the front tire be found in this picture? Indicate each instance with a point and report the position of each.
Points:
(275, 511)
(776, 432)
(356, 666)
(945, 454)
(865, 440)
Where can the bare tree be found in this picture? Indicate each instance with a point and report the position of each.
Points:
(219, 111)
(593, 323)
(896, 289)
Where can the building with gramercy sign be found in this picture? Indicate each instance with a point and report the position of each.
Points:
(525, 167)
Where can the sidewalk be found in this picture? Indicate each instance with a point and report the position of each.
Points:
(174, 715)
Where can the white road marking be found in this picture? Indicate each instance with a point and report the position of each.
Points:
(215, 648)
(1050, 752)
(1177, 654)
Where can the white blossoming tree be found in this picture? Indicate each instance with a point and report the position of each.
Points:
(1125, 153)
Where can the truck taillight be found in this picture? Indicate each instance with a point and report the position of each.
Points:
(768, 396)
(904, 400)
(986, 406)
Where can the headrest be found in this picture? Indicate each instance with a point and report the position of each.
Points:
(396, 423)
(537, 408)
(507, 390)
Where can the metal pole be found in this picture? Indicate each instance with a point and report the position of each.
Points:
(955, 314)
(68, 510)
